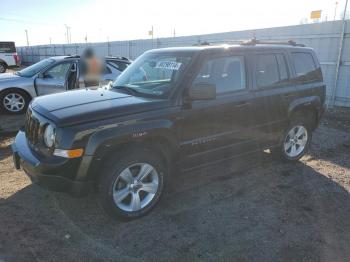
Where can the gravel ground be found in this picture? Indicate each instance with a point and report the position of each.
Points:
(248, 209)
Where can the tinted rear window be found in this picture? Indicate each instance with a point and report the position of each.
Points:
(305, 67)
(7, 47)
(266, 70)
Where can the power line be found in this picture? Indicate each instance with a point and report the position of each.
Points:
(26, 21)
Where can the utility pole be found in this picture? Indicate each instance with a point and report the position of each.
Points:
(27, 37)
(174, 33)
(334, 89)
(335, 10)
(68, 35)
(50, 40)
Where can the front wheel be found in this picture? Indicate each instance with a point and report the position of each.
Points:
(296, 141)
(131, 185)
(14, 101)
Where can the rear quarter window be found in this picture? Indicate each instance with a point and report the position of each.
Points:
(305, 67)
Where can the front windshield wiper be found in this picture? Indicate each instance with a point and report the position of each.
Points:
(128, 89)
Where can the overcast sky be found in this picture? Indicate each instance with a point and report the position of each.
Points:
(131, 19)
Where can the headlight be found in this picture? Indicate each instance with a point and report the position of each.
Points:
(49, 135)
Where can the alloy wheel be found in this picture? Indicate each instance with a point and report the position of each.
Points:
(295, 141)
(135, 187)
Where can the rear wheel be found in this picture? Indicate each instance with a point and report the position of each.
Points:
(14, 101)
(2, 68)
(131, 185)
(296, 140)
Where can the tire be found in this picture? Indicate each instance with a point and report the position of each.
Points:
(20, 98)
(296, 139)
(121, 194)
(3, 68)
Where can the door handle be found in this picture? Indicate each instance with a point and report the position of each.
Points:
(243, 104)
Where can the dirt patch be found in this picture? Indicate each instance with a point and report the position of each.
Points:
(248, 209)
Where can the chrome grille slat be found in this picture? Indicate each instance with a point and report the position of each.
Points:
(32, 128)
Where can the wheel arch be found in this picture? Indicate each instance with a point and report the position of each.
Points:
(3, 62)
(306, 106)
(17, 88)
(101, 147)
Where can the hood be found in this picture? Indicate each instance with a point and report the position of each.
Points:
(8, 76)
(84, 105)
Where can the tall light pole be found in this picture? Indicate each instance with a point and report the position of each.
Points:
(335, 10)
(27, 37)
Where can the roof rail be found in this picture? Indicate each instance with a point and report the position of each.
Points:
(254, 41)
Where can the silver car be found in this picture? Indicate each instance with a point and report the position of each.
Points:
(51, 75)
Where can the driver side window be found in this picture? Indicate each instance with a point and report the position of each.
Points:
(58, 72)
(226, 73)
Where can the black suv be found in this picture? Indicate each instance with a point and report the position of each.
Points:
(191, 106)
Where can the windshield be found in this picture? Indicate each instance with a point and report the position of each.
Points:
(153, 74)
(36, 68)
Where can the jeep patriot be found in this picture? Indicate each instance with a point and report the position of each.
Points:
(185, 107)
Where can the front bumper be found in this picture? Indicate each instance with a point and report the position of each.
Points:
(40, 172)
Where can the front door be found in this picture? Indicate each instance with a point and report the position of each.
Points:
(215, 129)
(53, 80)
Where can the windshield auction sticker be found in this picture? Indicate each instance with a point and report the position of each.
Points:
(170, 65)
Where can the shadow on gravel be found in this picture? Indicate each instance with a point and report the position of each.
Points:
(248, 209)
(5, 149)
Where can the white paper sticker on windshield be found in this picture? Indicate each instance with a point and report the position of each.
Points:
(170, 65)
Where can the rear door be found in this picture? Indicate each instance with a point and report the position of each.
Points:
(215, 129)
(273, 92)
(307, 75)
(54, 79)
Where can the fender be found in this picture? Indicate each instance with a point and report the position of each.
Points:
(309, 102)
(129, 132)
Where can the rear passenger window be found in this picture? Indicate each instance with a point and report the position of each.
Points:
(271, 69)
(266, 71)
(226, 73)
(305, 67)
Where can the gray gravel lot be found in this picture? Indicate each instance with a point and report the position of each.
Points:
(248, 209)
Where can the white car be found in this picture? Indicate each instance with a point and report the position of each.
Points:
(8, 56)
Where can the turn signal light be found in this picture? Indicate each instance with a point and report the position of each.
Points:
(71, 153)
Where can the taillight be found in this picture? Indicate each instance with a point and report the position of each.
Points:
(16, 57)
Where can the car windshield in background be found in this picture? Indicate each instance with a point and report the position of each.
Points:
(153, 74)
(36, 68)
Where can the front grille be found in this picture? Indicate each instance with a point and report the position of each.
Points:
(32, 127)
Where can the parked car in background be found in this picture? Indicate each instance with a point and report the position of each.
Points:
(8, 56)
(51, 75)
(190, 106)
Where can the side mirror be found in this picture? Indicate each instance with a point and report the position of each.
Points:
(202, 91)
(41, 75)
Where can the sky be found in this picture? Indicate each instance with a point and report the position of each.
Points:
(103, 20)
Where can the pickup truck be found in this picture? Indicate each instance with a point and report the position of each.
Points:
(172, 108)
(8, 56)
